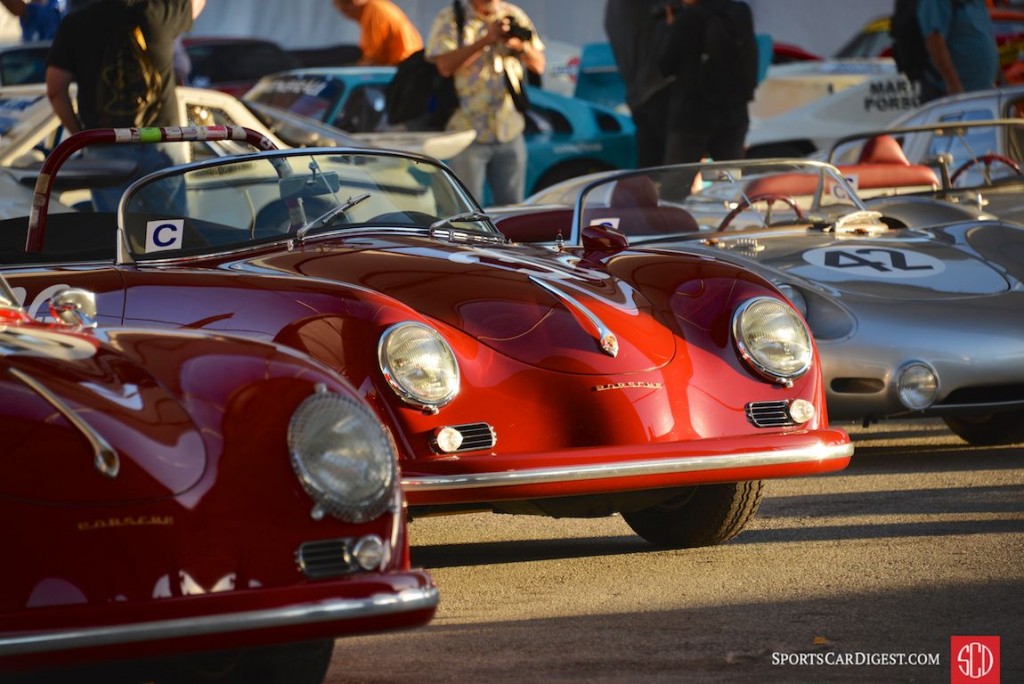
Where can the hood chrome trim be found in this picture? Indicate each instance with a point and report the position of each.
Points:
(105, 458)
(607, 342)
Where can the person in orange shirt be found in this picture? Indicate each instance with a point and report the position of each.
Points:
(387, 36)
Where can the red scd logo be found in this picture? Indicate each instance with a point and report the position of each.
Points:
(974, 660)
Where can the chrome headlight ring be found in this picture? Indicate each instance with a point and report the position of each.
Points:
(343, 456)
(917, 385)
(419, 365)
(772, 339)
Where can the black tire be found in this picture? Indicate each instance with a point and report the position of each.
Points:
(997, 429)
(704, 516)
(301, 663)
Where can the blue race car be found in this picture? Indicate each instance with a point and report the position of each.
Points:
(565, 137)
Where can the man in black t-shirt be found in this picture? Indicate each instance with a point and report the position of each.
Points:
(77, 55)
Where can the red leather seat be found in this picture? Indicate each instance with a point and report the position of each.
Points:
(882, 164)
(634, 202)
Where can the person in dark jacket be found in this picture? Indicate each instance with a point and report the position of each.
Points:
(636, 34)
(708, 113)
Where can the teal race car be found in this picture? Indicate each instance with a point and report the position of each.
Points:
(565, 137)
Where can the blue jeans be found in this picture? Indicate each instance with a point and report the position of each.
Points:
(501, 165)
(148, 158)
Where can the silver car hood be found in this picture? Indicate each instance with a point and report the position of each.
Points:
(949, 262)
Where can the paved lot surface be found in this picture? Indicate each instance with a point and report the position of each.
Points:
(920, 540)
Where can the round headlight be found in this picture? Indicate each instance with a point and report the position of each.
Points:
(772, 339)
(419, 365)
(918, 386)
(343, 456)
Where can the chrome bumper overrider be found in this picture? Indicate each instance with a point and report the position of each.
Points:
(661, 466)
(287, 616)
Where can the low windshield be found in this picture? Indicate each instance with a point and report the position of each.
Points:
(233, 203)
(296, 130)
(702, 198)
(309, 95)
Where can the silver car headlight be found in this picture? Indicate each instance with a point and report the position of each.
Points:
(419, 365)
(772, 339)
(917, 385)
(343, 457)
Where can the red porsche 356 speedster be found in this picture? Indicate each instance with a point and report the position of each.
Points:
(178, 504)
(574, 382)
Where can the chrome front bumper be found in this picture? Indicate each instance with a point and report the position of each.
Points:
(330, 610)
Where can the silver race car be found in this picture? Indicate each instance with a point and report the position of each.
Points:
(926, 320)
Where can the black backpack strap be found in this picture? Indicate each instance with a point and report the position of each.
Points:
(460, 19)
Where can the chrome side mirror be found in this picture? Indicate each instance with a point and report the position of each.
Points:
(74, 307)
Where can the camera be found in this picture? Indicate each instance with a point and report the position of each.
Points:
(517, 30)
(662, 11)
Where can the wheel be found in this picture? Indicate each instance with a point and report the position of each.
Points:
(986, 160)
(704, 516)
(768, 198)
(301, 663)
(992, 430)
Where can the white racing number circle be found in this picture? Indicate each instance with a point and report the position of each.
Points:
(888, 263)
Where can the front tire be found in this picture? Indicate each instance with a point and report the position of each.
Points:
(997, 429)
(705, 516)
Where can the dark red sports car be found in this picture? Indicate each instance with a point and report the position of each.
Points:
(178, 504)
(570, 382)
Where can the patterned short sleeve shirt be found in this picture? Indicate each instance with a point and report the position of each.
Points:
(484, 103)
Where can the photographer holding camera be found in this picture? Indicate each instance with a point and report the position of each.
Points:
(488, 62)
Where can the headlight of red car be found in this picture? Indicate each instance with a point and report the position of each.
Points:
(343, 456)
(772, 339)
(419, 365)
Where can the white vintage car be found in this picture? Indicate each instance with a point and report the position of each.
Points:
(832, 99)
(29, 130)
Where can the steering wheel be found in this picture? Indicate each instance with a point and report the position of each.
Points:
(275, 219)
(987, 160)
(769, 198)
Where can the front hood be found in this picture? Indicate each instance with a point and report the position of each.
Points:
(63, 397)
(532, 305)
(949, 262)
